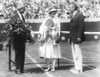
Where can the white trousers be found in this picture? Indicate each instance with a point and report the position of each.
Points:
(77, 56)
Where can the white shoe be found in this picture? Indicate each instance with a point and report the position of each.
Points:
(75, 71)
(46, 70)
(54, 43)
(52, 70)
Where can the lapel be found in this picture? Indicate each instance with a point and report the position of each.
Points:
(75, 16)
(23, 19)
(20, 16)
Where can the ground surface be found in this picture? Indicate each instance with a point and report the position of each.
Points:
(34, 66)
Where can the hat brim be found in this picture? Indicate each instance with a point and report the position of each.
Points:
(52, 11)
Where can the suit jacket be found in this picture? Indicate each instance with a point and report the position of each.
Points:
(18, 37)
(18, 18)
(76, 28)
(15, 18)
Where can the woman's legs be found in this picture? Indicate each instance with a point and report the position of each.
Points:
(48, 64)
(53, 64)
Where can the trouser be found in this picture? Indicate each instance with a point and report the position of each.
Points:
(77, 56)
(19, 55)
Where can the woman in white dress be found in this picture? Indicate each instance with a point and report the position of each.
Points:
(49, 33)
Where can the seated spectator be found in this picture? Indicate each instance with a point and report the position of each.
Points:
(38, 10)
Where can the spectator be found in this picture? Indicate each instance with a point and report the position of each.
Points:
(36, 9)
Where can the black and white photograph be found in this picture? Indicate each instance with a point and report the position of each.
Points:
(49, 38)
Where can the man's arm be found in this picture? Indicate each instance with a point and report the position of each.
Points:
(81, 26)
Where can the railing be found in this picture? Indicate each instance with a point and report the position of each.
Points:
(92, 27)
(61, 20)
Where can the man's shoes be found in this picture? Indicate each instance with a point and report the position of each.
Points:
(22, 71)
(75, 71)
(53, 70)
(17, 71)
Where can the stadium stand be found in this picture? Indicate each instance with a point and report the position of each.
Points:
(38, 9)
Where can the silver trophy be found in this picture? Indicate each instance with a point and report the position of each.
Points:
(53, 34)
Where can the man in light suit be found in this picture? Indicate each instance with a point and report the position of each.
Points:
(76, 36)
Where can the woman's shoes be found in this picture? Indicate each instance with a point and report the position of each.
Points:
(49, 69)
(17, 71)
(46, 70)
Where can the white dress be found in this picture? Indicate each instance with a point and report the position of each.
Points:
(47, 49)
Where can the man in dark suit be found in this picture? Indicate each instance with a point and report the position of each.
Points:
(76, 36)
(19, 38)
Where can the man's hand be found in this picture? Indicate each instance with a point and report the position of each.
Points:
(69, 41)
(79, 39)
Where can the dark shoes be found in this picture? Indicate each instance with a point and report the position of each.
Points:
(17, 71)
(22, 71)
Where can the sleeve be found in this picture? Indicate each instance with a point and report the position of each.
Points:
(81, 26)
(59, 28)
(42, 30)
(42, 27)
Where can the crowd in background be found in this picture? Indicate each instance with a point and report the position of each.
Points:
(39, 9)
